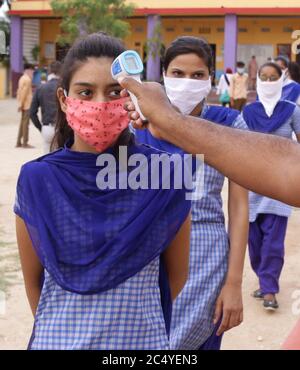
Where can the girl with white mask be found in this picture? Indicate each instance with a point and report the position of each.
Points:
(211, 301)
(291, 89)
(268, 217)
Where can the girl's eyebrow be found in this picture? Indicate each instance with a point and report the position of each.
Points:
(178, 69)
(113, 84)
(87, 84)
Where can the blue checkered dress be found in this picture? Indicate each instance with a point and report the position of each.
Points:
(193, 310)
(264, 205)
(127, 317)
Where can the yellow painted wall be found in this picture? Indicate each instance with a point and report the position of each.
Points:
(49, 30)
(274, 37)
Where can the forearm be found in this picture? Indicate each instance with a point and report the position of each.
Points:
(265, 164)
(35, 119)
(238, 232)
(33, 293)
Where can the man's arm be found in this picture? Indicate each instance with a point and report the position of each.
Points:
(266, 164)
(34, 110)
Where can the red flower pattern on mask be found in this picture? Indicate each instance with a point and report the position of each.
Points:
(98, 124)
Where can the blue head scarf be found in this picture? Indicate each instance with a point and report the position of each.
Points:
(257, 120)
(91, 240)
(291, 92)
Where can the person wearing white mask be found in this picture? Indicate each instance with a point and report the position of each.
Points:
(239, 87)
(269, 218)
(211, 301)
(291, 88)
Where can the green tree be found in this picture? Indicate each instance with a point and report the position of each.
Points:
(81, 17)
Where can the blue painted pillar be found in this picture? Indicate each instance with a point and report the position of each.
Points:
(16, 50)
(230, 41)
(153, 60)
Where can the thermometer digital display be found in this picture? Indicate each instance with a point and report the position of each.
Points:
(129, 64)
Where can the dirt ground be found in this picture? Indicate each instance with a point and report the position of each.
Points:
(260, 330)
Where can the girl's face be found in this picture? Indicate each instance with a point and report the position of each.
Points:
(269, 73)
(188, 66)
(92, 81)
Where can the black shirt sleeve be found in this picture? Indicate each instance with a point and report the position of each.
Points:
(34, 110)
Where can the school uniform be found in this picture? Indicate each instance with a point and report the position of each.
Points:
(192, 325)
(291, 91)
(268, 217)
(105, 284)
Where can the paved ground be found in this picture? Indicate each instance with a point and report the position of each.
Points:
(260, 330)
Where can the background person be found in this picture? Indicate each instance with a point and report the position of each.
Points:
(45, 98)
(268, 217)
(223, 88)
(211, 301)
(252, 72)
(24, 98)
(238, 87)
(291, 89)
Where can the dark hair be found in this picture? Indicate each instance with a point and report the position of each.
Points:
(187, 45)
(55, 67)
(240, 64)
(283, 59)
(273, 65)
(294, 71)
(28, 66)
(95, 45)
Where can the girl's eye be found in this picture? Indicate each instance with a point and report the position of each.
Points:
(115, 93)
(177, 73)
(85, 93)
(198, 76)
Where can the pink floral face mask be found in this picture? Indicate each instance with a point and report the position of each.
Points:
(99, 124)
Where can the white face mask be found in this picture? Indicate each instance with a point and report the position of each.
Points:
(269, 93)
(240, 70)
(186, 93)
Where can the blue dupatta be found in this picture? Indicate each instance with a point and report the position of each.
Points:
(91, 240)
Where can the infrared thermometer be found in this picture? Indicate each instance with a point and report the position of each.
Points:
(129, 64)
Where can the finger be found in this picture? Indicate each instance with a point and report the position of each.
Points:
(129, 106)
(132, 85)
(218, 312)
(139, 124)
(224, 324)
(234, 320)
(241, 317)
(134, 115)
(124, 93)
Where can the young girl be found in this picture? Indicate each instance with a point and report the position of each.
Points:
(105, 285)
(212, 293)
(268, 217)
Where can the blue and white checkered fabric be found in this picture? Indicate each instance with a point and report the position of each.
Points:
(259, 204)
(125, 318)
(193, 310)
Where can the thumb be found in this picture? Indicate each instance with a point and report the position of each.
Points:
(131, 85)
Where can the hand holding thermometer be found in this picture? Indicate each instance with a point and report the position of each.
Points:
(129, 64)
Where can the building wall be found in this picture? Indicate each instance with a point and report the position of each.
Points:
(49, 30)
(167, 4)
(254, 31)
